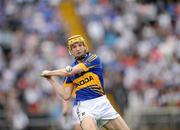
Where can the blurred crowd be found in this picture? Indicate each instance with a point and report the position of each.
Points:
(137, 42)
(32, 38)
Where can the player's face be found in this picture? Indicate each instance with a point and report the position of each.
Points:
(78, 49)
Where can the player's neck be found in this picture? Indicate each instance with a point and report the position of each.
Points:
(81, 58)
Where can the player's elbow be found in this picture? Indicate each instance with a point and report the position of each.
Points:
(67, 97)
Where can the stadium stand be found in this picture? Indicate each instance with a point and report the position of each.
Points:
(138, 42)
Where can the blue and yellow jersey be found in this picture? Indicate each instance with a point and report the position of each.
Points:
(88, 84)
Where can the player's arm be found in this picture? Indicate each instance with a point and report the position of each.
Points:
(65, 107)
(68, 71)
(64, 92)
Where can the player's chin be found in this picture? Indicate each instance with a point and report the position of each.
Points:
(79, 55)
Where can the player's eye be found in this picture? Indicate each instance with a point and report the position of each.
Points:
(73, 46)
(80, 45)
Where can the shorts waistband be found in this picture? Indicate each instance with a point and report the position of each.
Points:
(94, 99)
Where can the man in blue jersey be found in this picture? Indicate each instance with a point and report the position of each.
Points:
(85, 75)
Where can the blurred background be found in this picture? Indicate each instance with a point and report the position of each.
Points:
(137, 40)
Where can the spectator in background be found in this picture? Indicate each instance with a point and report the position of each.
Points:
(30, 31)
(17, 117)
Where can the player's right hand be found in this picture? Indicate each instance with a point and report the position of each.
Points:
(45, 74)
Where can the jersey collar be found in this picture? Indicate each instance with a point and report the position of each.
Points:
(83, 58)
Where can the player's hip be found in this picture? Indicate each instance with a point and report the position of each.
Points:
(99, 108)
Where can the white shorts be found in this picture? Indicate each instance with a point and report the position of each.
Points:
(99, 108)
(75, 116)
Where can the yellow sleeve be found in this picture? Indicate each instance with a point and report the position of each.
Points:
(67, 84)
(74, 93)
(83, 66)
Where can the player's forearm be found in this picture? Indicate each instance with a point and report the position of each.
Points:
(59, 72)
(59, 89)
(65, 72)
(65, 106)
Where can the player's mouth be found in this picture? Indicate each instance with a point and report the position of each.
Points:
(79, 53)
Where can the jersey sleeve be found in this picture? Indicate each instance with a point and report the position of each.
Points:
(67, 82)
(92, 62)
